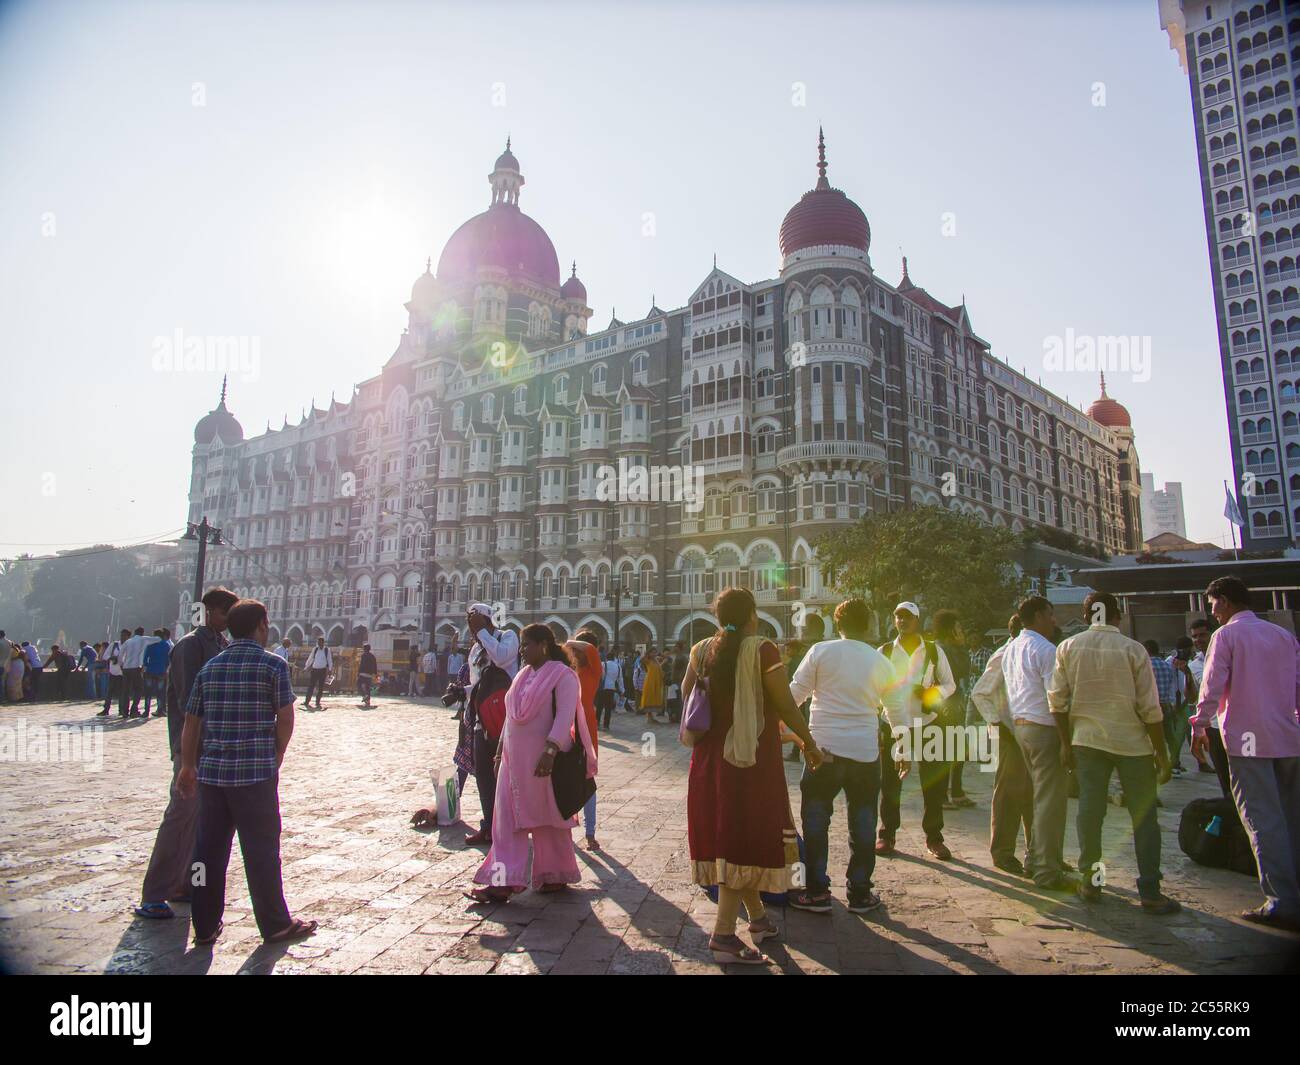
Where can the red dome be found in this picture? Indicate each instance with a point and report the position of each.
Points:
(219, 423)
(824, 216)
(503, 237)
(573, 289)
(1108, 412)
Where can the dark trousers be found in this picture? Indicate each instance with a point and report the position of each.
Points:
(254, 812)
(1219, 759)
(934, 786)
(168, 875)
(605, 700)
(114, 692)
(485, 776)
(132, 691)
(1013, 798)
(316, 683)
(860, 782)
(155, 688)
(1137, 776)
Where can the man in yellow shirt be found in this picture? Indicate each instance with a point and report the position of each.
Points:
(1103, 697)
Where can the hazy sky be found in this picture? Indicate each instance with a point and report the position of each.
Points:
(281, 171)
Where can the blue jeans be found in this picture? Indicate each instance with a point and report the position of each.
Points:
(589, 816)
(1137, 776)
(90, 684)
(101, 684)
(860, 782)
(155, 686)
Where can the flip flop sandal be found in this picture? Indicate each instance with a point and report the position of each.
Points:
(297, 930)
(743, 956)
(207, 941)
(154, 911)
(485, 897)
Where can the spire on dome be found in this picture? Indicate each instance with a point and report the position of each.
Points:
(428, 264)
(905, 277)
(1103, 385)
(506, 179)
(222, 403)
(822, 183)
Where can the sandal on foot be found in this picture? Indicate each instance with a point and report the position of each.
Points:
(207, 941)
(154, 910)
(297, 930)
(487, 896)
(551, 889)
(738, 955)
(763, 930)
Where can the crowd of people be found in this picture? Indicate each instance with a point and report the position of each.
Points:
(1068, 714)
(126, 671)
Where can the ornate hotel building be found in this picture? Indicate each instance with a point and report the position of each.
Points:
(471, 466)
(1243, 65)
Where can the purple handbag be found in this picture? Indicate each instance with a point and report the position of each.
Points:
(697, 716)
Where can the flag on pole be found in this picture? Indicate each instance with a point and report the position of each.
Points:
(1230, 509)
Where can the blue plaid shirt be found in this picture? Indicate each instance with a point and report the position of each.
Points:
(236, 694)
(1166, 682)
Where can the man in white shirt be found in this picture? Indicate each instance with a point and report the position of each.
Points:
(925, 681)
(851, 684)
(1013, 790)
(494, 650)
(132, 662)
(114, 655)
(1027, 667)
(611, 685)
(428, 669)
(282, 650)
(318, 665)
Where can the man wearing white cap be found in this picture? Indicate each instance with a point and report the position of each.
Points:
(927, 682)
(493, 650)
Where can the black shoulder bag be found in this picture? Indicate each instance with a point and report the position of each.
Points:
(569, 780)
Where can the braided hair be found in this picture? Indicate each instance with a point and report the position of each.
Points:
(734, 609)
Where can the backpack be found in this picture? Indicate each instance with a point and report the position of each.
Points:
(1210, 833)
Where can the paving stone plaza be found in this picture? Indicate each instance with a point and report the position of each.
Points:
(74, 845)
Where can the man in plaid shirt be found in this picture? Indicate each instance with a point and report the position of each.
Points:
(1167, 693)
(241, 711)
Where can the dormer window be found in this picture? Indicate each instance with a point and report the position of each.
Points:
(598, 376)
(562, 389)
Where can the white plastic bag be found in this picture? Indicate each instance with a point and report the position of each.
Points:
(447, 795)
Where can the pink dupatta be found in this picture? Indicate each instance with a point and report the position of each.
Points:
(530, 695)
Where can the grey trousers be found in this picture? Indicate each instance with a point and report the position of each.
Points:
(168, 875)
(1041, 746)
(1267, 794)
(1013, 799)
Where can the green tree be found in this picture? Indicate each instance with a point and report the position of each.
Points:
(15, 582)
(935, 557)
(69, 594)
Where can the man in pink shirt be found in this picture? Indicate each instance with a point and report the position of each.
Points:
(1251, 688)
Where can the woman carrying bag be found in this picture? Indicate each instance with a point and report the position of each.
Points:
(543, 711)
(742, 835)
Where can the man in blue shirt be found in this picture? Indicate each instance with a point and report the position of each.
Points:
(155, 672)
(241, 710)
(86, 661)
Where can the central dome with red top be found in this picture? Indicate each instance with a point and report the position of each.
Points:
(502, 237)
(823, 216)
(1109, 412)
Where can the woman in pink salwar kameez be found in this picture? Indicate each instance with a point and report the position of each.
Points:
(525, 801)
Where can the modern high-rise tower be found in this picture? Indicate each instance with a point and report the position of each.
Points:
(1243, 62)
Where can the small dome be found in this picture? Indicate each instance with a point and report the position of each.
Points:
(425, 289)
(1108, 412)
(506, 160)
(824, 215)
(219, 423)
(573, 289)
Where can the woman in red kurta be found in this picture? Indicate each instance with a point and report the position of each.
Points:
(741, 833)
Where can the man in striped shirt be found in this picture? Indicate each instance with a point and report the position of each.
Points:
(241, 708)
